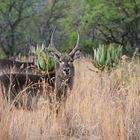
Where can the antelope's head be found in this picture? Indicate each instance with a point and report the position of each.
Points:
(65, 62)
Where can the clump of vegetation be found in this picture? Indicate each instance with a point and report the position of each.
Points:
(2, 54)
(44, 62)
(107, 56)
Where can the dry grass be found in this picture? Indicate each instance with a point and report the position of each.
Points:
(101, 106)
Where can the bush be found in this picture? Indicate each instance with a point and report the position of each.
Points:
(2, 54)
(44, 62)
(107, 56)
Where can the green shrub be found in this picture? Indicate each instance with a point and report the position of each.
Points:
(107, 56)
(44, 62)
(2, 54)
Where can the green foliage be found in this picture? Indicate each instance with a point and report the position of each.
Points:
(112, 22)
(2, 54)
(65, 15)
(44, 62)
(24, 23)
(107, 56)
(18, 20)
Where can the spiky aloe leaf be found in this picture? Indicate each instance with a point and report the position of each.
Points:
(95, 53)
(50, 64)
(103, 55)
(108, 58)
(41, 64)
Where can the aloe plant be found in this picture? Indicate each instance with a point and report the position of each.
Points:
(44, 62)
(106, 56)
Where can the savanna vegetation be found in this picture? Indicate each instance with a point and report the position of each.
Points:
(25, 23)
(104, 103)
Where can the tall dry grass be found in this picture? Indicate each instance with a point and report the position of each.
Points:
(101, 106)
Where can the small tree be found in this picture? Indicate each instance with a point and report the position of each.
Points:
(113, 21)
(15, 17)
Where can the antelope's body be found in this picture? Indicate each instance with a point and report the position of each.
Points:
(64, 75)
(64, 70)
(14, 85)
(10, 66)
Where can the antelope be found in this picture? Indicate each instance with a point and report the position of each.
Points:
(6, 65)
(15, 84)
(64, 69)
(12, 84)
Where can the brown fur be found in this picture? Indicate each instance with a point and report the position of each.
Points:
(34, 85)
(64, 70)
(8, 66)
(63, 82)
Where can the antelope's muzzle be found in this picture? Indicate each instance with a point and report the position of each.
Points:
(66, 71)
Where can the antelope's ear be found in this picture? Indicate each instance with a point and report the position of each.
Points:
(76, 54)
